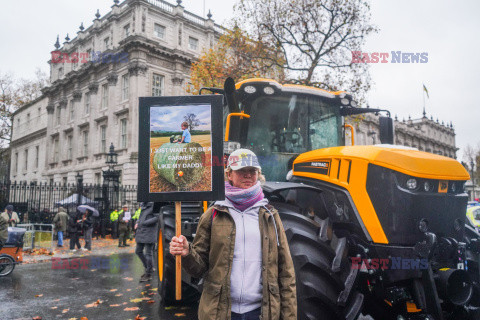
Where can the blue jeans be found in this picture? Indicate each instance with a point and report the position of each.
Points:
(251, 315)
(60, 238)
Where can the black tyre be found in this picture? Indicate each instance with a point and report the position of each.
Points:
(166, 266)
(318, 285)
(7, 264)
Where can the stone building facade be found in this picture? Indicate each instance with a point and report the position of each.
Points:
(424, 134)
(140, 48)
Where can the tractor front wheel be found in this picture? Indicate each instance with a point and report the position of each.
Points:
(318, 285)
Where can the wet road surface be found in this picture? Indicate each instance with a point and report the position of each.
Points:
(96, 287)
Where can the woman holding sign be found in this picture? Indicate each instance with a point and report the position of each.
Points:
(241, 251)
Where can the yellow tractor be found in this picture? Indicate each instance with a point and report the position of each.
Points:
(377, 230)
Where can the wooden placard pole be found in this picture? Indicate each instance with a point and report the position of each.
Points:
(178, 258)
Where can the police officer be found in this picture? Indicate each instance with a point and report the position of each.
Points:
(113, 219)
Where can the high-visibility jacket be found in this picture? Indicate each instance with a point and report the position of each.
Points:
(137, 214)
(114, 215)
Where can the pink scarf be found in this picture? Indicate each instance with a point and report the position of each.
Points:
(243, 199)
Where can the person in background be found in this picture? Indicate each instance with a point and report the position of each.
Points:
(241, 250)
(114, 219)
(146, 237)
(135, 219)
(60, 221)
(3, 231)
(11, 216)
(123, 224)
(87, 219)
(74, 229)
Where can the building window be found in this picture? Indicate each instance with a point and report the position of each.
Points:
(89, 55)
(126, 30)
(28, 119)
(72, 110)
(157, 85)
(106, 43)
(55, 150)
(15, 163)
(105, 96)
(159, 31)
(87, 103)
(123, 133)
(37, 156)
(125, 85)
(25, 167)
(98, 177)
(192, 43)
(18, 122)
(85, 143)
(60, 72)
(58, 115)
(39, 111)
(103, 139)
(69, 147)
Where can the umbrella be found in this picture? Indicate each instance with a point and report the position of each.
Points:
(84, 208)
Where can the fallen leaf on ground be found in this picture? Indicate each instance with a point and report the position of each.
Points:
(151, 301)
(65, 310)
(170, 308)
(114, 305)
(72, 319)
(37, 318)
(113, 290)
(94, 304)
(128, 279)
(53, 308)
(131, 309)
(139, 318)
(129, 289)
(119, 295)
(83, 318)
(179, 314)
(137, 300)
(154, 289)
(56, 300)
(38, 295)
(147, 285)
(151, 293)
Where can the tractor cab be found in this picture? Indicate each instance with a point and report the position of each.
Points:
(285, 121)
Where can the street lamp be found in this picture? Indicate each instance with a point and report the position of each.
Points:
(110, 185)
(112, 157)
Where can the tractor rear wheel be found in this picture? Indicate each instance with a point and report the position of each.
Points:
(166, 266)
(318, 285)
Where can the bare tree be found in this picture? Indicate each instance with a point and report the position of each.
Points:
(317, 38)
(192, 120)
(14, 93)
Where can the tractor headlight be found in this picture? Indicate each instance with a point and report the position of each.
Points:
(412, 184)
(250, 89)
(427, 186)
(345, 101)
(268, 90)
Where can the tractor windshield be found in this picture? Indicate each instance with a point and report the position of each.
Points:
(281, 127)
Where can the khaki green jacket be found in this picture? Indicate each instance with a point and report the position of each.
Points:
(211, 256)
(61, 216)
(3, 230)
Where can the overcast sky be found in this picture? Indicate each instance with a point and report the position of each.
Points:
(446, 30)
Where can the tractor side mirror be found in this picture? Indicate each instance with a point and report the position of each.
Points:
(386, 130)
